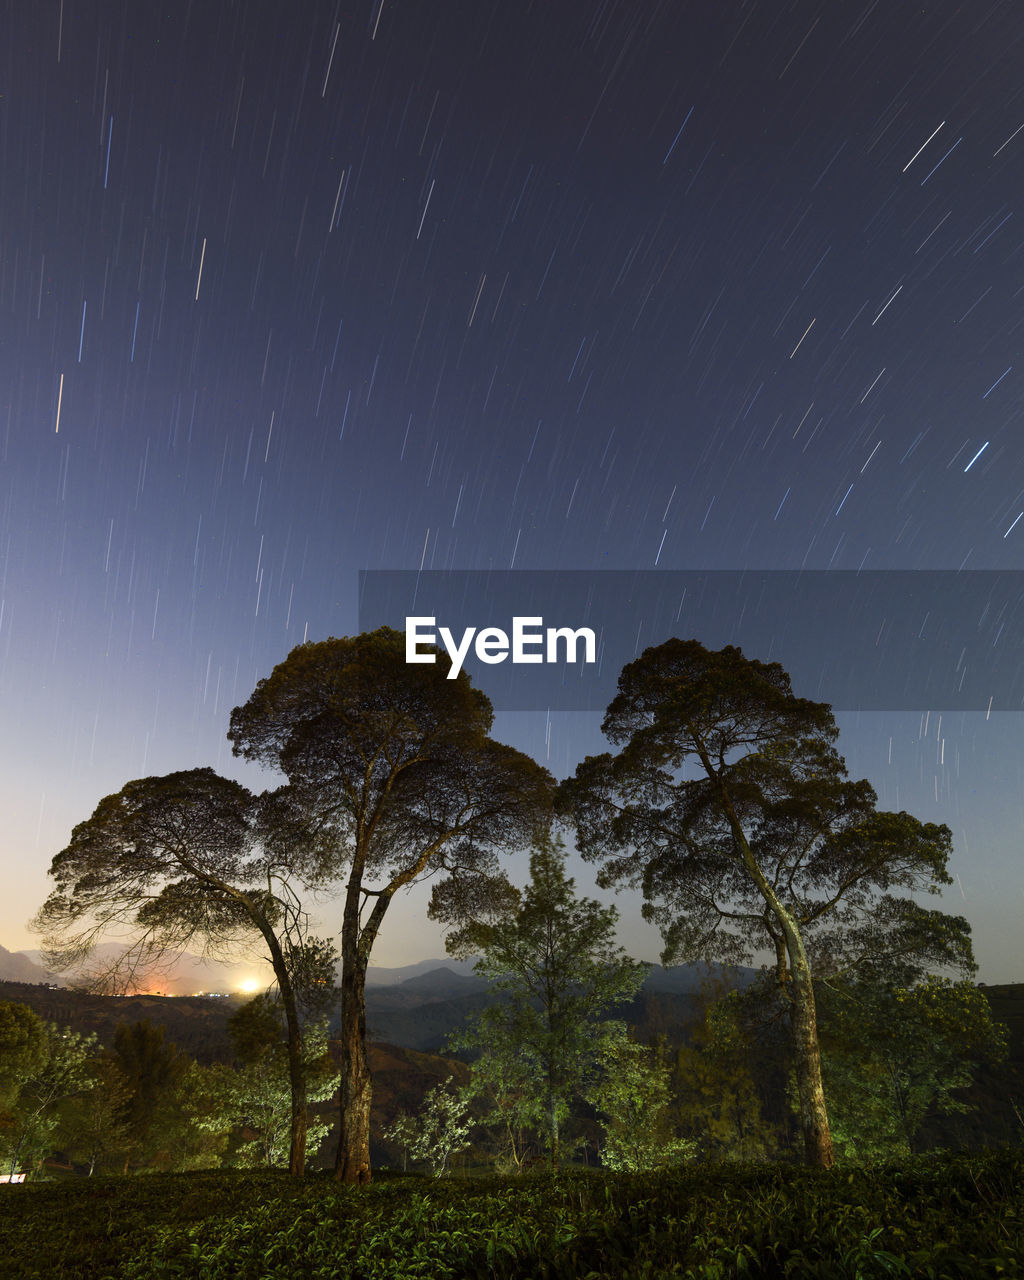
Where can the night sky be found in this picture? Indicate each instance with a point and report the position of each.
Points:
(288, 291)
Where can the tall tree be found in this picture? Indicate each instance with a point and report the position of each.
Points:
(730, 807)
(557, 972)
(394, 765)
(192, 858)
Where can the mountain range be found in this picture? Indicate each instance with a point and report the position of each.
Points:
(424, 981)
(187, 974)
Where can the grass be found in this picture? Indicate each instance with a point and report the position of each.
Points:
(939, 1217)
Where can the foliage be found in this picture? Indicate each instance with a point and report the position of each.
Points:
(165, 858)
(555, 972)
(151, 1070)
(894, 1054)
(109, 1110)
(438, 1130)
(251, 1101)
(503, 1090)
(951, 1218)
(92, 1126)
(24, 1047)
(730, 807)
(720, 1079)
(130, 1113)
(312, 963)
(633, 1094)
(45, 1066)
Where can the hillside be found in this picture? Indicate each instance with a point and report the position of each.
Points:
(422, 1011)
(196, 1024)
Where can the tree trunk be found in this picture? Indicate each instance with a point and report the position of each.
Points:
(296, 1063)
(297, 1080)
(813, 1114)
(353, 1159)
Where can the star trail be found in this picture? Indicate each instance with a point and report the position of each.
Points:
(291, 291)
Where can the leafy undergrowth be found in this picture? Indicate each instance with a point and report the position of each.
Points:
(930, 1217)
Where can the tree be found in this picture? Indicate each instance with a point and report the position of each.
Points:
(730, 807)
(151, 1070)
(92, 1125)
(556, 972)
(633, 1093)
(191, 857)
(24, 1048)
(394, 768)
(41, 1065)
(438, 1131)
(892, 1055)
(718, 1101)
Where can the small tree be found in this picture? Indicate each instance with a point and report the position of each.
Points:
(24, 1048)
(556, 972)
(503, 1089)
(729, 806)
(439, 1130)
(633, 1093)
(151, 1070)
(717, 1100)
(92, 1126)
(252, 1098)
(41, 1065)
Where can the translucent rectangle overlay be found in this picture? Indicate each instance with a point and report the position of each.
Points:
(873, 640)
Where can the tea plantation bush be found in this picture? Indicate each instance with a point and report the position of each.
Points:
(930, 1217)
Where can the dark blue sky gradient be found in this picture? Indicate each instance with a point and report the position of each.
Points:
(325, 287)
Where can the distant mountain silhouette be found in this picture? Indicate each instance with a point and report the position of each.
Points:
(439, 983)
(17, 966)
(426, 981)
(380, 976)
(183, 975)
(690, 979)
